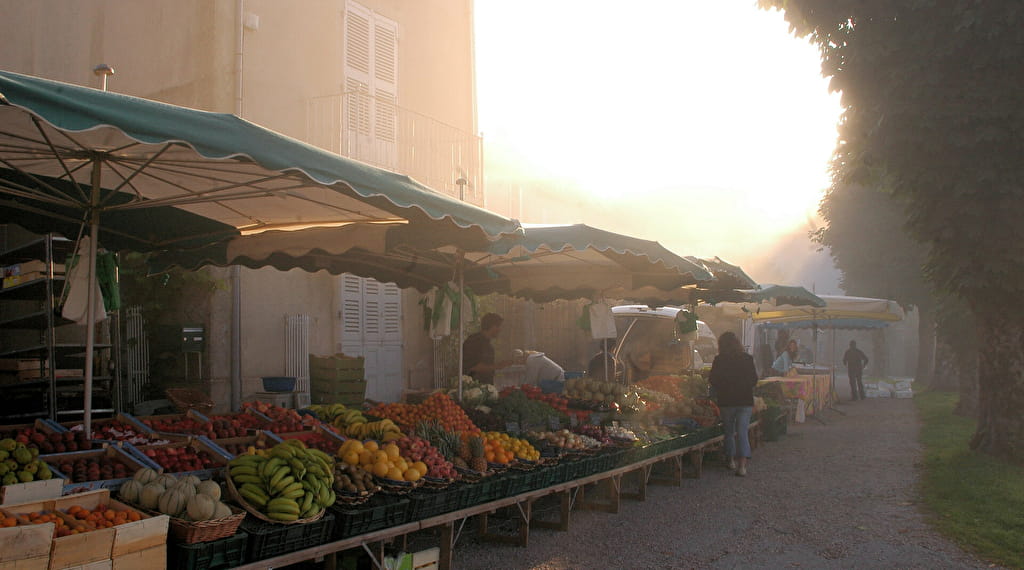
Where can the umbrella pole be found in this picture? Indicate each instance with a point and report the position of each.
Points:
(90, 312)
(462, 320)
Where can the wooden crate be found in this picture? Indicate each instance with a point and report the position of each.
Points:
(26, 547)
(154, 558)
(121, 454)
(328, 367)
(98, 545)
(32, 491)
(348, 392)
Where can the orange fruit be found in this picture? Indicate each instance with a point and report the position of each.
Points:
(421, 467)
(392, 451)
(366, 457)
(379, 456)
(371, 445)
(395, 474)
(411, 475)
(381, 469)
(352, 458)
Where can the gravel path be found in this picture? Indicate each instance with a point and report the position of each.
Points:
(824, 496)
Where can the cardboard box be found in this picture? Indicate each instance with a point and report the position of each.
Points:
(18, 364)
(26, 547)
(16, 280)
(60, 373)
(35, 266)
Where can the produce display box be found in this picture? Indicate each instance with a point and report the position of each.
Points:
(337, 379)
(216, 555)
(425, 503)
(575, 468)
(524, 481)
(190, 414)
(268, 440)
(380, 511)
(32, 491)
(197, 443)
(153, 558)
(604, 461)
(348, 392)
(487, 489)
(336, 440)
(121, 417)
(114, 453)
(99, 545)
(26, 547)
(267, 540)
(335, 366)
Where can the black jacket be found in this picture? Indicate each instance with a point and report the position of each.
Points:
(733, 377)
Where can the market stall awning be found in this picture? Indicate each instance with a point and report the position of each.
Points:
(724, 275)
(838, 312)
(577, 261)
(142, 154)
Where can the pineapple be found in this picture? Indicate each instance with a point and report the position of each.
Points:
(476, 448)
(452, 443)
(464, 452)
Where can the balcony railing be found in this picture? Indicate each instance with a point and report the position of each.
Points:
(376, 131)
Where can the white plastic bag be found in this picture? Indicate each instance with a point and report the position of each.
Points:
(801, 411)
(602, 322)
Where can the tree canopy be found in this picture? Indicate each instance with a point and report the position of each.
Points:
(931, 95)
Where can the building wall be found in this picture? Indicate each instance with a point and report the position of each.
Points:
(185, 52)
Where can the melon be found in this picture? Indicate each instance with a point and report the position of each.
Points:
(221, 511)
(192, 479)
(172, 502)
(167, 480)
(130, 491)
(149, 497)
(145, 475)
(184, 487)
(201, 508)
(210, 489)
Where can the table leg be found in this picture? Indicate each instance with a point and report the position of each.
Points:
(444, 561)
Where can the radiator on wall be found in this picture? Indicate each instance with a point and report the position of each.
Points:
(296, 356)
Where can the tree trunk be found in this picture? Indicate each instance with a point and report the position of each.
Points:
(967, 406)
(1000, 430)
(948, 366)
(925, 345)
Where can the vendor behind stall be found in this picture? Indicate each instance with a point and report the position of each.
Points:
(478, 353)
(538, 366)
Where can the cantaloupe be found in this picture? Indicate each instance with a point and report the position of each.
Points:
(130, 491)
(145, 475)
(149, 497)
(191, 479)
(167, 480)
(201, 508)
(184, 487)
(210, 489)
(172, 502)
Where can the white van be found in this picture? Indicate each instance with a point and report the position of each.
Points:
(649, 342)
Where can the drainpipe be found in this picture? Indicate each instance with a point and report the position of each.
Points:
(236, 274)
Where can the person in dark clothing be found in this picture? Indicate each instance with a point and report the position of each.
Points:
(477, 352)
(855, 361)
(733, 378)
(596, 367)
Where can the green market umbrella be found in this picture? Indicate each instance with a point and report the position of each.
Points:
(116, 154)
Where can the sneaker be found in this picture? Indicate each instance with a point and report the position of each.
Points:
(732, 465)
(741, 472)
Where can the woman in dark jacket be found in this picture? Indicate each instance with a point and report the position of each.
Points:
(733, 377)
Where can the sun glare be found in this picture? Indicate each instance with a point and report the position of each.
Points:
(709, 105)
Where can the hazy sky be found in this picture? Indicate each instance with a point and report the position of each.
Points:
(704, 125)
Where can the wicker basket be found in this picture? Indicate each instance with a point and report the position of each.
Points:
(393, 487)
(186, 399)
(191, 532)
(233, 491)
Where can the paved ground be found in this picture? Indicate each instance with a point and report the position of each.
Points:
(825, 496)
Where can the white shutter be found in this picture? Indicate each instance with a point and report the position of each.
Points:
(371, 86)
(351, 315)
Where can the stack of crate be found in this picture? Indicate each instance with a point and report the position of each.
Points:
(337, 379)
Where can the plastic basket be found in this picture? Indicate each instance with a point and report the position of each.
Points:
(278, 383)
(604, 461)
(486, 490)
(216, 555)
(377, 513)
(189, 399)
(576, 469)
(424, 504)
(267, 540)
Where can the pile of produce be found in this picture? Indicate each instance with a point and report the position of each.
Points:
(289, 483)
(316, 440)
(258, 446)
(438, 406)
(665, 384)
(186, 498)
(564, 439)
(482, 418)
(598, 395)
(474, 393)
(180, 424)
(353, 479)
(74, 520)
(20, 464)
(103, 516)
(620, 433)
(419, 450)
(113, 430)
(595, 432)
(384, 462)
(517, 407)
(329, 414)
(556, 401)
(513, 447)
(382, 430)
(98, 468)
(234, 425)
(180, 458)
(48, 443)
(282, 420)
(472, 454)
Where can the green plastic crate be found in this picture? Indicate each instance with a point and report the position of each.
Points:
(267, 540)
(425, 503)
(214, 555)
(381, 511)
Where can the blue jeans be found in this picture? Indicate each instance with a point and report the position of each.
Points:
(736, 423)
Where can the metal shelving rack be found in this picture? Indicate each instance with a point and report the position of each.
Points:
(37, 339)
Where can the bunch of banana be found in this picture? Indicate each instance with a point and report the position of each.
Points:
(348, 417)
(330, 412)
(383, 430)
(288, 483)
